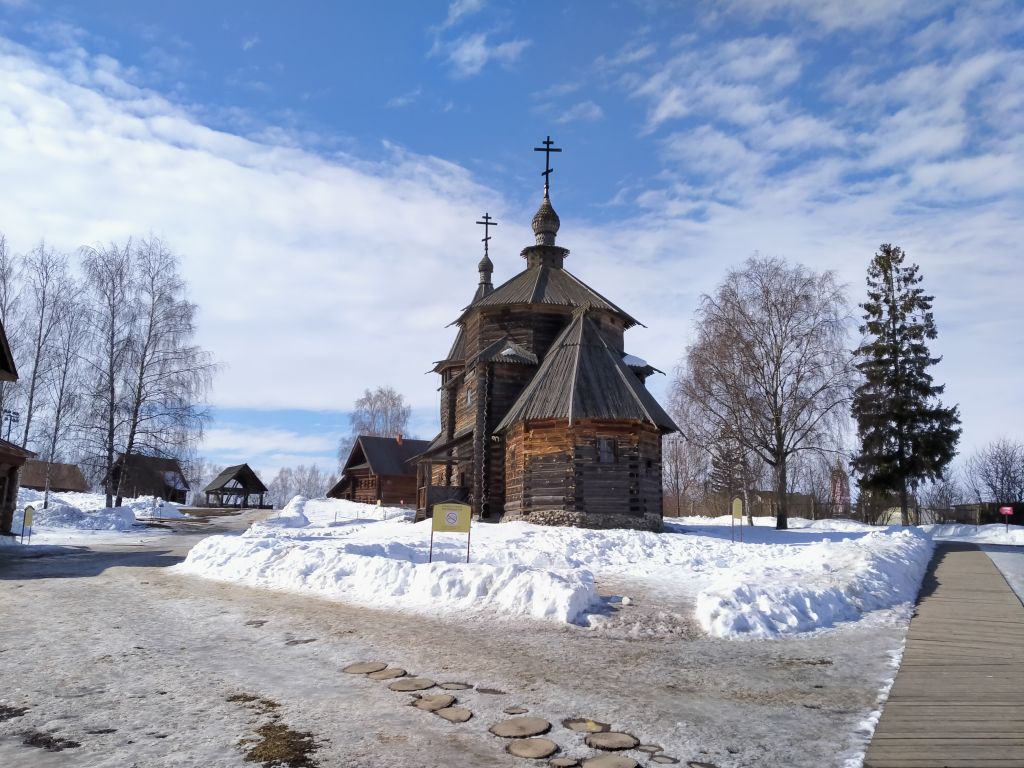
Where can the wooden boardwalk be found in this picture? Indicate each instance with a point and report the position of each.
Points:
(958, 699)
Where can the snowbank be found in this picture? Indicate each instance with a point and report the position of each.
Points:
(775, 583)
(818, 585)
(978, 534)
(66, 516)
(388, 577)
(291, 516)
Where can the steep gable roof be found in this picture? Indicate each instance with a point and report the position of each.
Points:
(245, 476)
(385, 455)
(544, 284)
(582, 377)
(63, 477)
(8, 372)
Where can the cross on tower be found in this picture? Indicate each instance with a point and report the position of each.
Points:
(547, 149)
(488, 222)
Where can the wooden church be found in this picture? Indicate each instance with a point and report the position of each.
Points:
(544, 417)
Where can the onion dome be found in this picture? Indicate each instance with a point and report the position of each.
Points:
(546, 222)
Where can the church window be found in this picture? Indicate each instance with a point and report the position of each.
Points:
(605, 450)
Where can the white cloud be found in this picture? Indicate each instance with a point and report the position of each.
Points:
(834, 15)
(584, 111)
(468, 55)
(460, 9)
(249, 43)
(405, 99)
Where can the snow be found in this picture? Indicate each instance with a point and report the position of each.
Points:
(775, 583)
(634, 362)
(78, 517)
(978, 534)
(65, 516)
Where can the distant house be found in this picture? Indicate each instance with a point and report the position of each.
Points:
(138, 475)
(234, 487)
(63, 478)
(378, 469)
(12, 458)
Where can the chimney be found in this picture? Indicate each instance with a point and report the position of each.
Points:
(398, 438)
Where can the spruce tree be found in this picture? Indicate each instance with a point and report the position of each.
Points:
(906, 435)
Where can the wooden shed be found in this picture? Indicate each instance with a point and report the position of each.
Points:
(234, 487)
(379, 469)
(138, 475)
(57, 477)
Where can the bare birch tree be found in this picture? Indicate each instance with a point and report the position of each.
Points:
(380, 413)
(995, 472)
(770, 363)
(108, 284)
(48, 285)
(166, 375)
(65, 382)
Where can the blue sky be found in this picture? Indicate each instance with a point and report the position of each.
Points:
(328, 160)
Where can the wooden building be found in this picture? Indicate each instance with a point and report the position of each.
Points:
(235, 486)
(379, 469)
(544, 417)
(12, 457)
(59, 478)
(138, 475)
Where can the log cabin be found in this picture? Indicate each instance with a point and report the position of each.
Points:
(544, 417)
(12, 457)
(58, 478)
(378, 469)
(137, 475)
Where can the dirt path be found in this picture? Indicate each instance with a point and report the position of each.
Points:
(135, 662)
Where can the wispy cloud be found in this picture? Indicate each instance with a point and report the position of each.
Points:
(404, 99)
(248, 43)
(460, 9)
(468, 55)
(584, 111)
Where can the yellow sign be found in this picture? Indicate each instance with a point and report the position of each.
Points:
(29, 511)
(452, 518)
(737, 508)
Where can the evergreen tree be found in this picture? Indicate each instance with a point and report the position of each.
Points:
(906, 435)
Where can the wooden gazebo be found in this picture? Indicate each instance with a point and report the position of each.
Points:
(234, 487)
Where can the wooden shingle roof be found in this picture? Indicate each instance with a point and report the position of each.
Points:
(63, 477)
(582, 377)
(243, 473)
(544, 284)
(385, 455)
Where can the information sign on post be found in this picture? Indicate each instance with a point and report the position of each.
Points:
(1007, 513)
(26, 522)
(451, 517)
(737, 514)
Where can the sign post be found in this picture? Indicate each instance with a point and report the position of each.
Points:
(26, 522)
(1006, 512)
(737, 514)
(451, 518)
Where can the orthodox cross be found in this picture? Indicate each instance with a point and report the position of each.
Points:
(488, 222)
(547, 149)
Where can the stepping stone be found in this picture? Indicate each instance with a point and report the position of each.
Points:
(387, 674)
(454, 714)
(581, 725)
(696, 764)
(612, 741)
(651, 749)
(564, 762)
(434, 703)
(610, 761)
(364, 667)
(666, 760)
(534, 749)
(455, 686)
(520, 727)
(492, 691)
(408, 684)
(518, 711)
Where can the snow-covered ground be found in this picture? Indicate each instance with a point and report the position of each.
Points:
(774, 583)
(84, 518)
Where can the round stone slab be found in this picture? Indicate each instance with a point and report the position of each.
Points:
(434, 703)
(455, 686)
(454, 714)
(411, 684)
(651, 749)
(520, 727)
(564, 762)
(534, 749)
(387, 674)
(582, 725)
(665, 760)
(519, 711)
(610, 761)
(364, 667)
(611, 741)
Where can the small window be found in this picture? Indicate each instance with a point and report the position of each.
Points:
(469, 395)
(605, 450)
